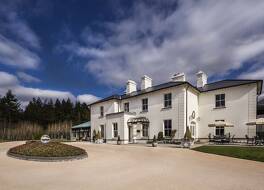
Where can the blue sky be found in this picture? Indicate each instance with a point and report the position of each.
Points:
(85, 50)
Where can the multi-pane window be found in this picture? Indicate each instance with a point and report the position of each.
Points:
(220, 100)
(126, 107)
(167, 128)
(145, 130)
(102, 111)
(115, 130)
(167, 100)
(219, 131)
(102, 130)
(145, 104)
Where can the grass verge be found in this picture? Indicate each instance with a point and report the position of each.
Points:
(249, 153)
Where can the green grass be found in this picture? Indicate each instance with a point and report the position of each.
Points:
(249, 153)
(51, 149)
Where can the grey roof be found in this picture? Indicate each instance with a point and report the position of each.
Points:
(226, 84)
(208, 87)
(82, 125)
(152, 89)
(140, 92)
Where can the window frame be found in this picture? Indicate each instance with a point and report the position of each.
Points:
(101, 111)
(220, 100)
(167, 127)
(115, 129)
(102, 131)
(167, 100)
(145, 132)
(126, 107)
(218, 130)
(144, 104)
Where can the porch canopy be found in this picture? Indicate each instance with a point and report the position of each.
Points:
(82, 125)
(220, 124)
(135, 120)
(258, 121)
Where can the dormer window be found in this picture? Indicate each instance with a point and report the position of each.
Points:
(102, 111)
(220, 100)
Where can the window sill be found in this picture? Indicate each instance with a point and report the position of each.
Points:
(100, 117)
(217, 108)
(166, 108)
(146, 111)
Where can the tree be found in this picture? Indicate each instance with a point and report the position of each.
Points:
(10, 107)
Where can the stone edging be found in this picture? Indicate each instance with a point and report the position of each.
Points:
(46, 159)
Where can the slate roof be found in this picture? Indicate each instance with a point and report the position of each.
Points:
(208, 87)
(226, 84)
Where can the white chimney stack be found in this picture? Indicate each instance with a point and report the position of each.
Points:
(201, 79)
(131, 86)
(178, 77)
(146, 82)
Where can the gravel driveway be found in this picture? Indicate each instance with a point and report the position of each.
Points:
(131, 167)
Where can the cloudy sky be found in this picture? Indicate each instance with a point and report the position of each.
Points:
(85, 50)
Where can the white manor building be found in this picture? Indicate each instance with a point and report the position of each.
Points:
(208, 108)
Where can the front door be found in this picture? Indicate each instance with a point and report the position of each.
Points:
(130, 134)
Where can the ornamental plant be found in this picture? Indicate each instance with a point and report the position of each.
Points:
(188, 134)
(99, 135)
(173, 133)
(154, 139)
(160, 136)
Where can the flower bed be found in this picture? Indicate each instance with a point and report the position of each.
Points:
(51, 151)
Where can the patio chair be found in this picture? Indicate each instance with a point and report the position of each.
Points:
(249, 140)
(258, 141)
(217, 140)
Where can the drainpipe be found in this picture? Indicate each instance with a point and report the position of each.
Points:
(186, 106)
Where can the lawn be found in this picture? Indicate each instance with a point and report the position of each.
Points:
(249, 153)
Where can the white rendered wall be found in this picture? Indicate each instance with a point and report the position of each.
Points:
(110, 106)
(156, 114)
(240, 108)
(193, 98)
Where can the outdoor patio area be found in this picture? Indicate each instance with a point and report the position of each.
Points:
(131, 167)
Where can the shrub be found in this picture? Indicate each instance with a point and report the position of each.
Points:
(188, 134)
(160, 136)
(94, 135)
(99, 135)
(173, 133)
(154, 139)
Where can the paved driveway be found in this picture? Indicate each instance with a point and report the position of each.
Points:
(131, 167)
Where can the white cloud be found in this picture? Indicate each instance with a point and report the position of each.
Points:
(13, 54)
(17, 40)
(21, 30)
(7, 80)
(87, 98)
(255, 74)
(25, 94)
(27, 78)
(214, 36)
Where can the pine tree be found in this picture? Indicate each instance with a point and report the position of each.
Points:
(10, 107)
